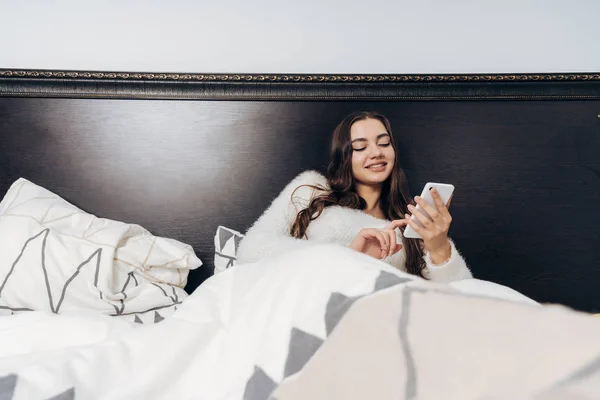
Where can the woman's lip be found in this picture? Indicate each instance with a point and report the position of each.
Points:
(379, 165)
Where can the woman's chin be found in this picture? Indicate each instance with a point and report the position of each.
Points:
(376, 178)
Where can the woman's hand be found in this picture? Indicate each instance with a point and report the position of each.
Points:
(435, 229)
(378, 243)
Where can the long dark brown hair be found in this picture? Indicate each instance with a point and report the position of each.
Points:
(394, 199)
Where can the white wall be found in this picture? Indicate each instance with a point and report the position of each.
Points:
(305, 36)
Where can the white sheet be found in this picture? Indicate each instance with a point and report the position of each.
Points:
(234, 322)
(491, 289)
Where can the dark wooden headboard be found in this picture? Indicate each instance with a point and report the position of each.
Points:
(181, 154)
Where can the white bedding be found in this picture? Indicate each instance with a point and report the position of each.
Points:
(57, 258)
(232, 332)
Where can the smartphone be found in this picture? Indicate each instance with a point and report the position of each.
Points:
(445, 191)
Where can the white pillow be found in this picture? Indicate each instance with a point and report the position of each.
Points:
(55, 257)
(226, 246)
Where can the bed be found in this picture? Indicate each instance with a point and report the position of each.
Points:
(184, 154)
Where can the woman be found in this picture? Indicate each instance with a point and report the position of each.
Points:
(363, 203)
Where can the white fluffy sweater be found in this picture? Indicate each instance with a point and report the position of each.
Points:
(270, 234)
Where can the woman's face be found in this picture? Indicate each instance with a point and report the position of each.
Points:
(372, 152)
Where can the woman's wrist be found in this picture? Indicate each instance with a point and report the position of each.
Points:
(441, 254)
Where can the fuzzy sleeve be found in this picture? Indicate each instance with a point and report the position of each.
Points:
(454, 269)
(270, 234)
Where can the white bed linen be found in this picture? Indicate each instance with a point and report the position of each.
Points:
(210, 348)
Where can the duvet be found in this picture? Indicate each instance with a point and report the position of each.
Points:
(322, 322)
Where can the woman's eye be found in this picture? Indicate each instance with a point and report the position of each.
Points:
(361, 149)
(384, 144)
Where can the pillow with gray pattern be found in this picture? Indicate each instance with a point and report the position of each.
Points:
(227, 242)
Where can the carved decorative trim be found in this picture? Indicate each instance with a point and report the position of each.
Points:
(260, 87)
(328, 78)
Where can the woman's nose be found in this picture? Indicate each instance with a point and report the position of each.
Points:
(375, 152)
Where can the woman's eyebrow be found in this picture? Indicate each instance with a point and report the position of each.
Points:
(364, 140)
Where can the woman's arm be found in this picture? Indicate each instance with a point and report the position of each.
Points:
(444, 263)
(453, 269)
(270, 234)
